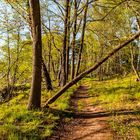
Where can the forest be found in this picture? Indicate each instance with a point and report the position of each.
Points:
(69, 69)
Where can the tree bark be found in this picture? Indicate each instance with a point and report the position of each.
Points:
(74, 40)
(138, 27)
(14, 79)
(93, 68)
(49, 49)
(35, 95)
(65, 44)
(82, 40)
(68, 42)
(9, 63)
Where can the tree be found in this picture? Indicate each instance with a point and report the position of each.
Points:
(35, 95)
(74, 32)
(94, 67)
(82, 38)
(74, 40)
(65, 43)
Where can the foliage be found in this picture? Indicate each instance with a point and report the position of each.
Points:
(108, 22)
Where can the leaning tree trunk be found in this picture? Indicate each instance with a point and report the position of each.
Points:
(35, 95)
(93, 68)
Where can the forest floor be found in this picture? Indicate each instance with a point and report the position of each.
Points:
(97, 110)
(88, 123)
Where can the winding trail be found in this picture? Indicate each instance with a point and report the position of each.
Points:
(85, 125)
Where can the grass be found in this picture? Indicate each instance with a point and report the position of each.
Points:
(118, 94)
(16, 122)
(80, 105)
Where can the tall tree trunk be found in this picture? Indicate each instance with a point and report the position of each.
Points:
(47, 69)
(35, 95)
(138, 27)
(93, 68)
(14, 79)
(65, 44)
(100, 72)
(59, 76)
(49, 56)
(68, 42)
(9, 63)
(82, 40)
(74, 40)
(49, 49)
(17, 55)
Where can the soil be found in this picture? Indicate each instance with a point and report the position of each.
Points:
(87, 123)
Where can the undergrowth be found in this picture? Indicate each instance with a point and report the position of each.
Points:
(115, 96)
(16, 122)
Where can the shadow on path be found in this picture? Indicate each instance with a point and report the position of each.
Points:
(87, 124)
(94, 115)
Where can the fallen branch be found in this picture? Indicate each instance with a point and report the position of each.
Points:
(83, 74)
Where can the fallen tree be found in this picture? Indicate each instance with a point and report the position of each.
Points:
(93, 68)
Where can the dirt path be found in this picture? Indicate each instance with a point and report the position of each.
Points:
(87, 123)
